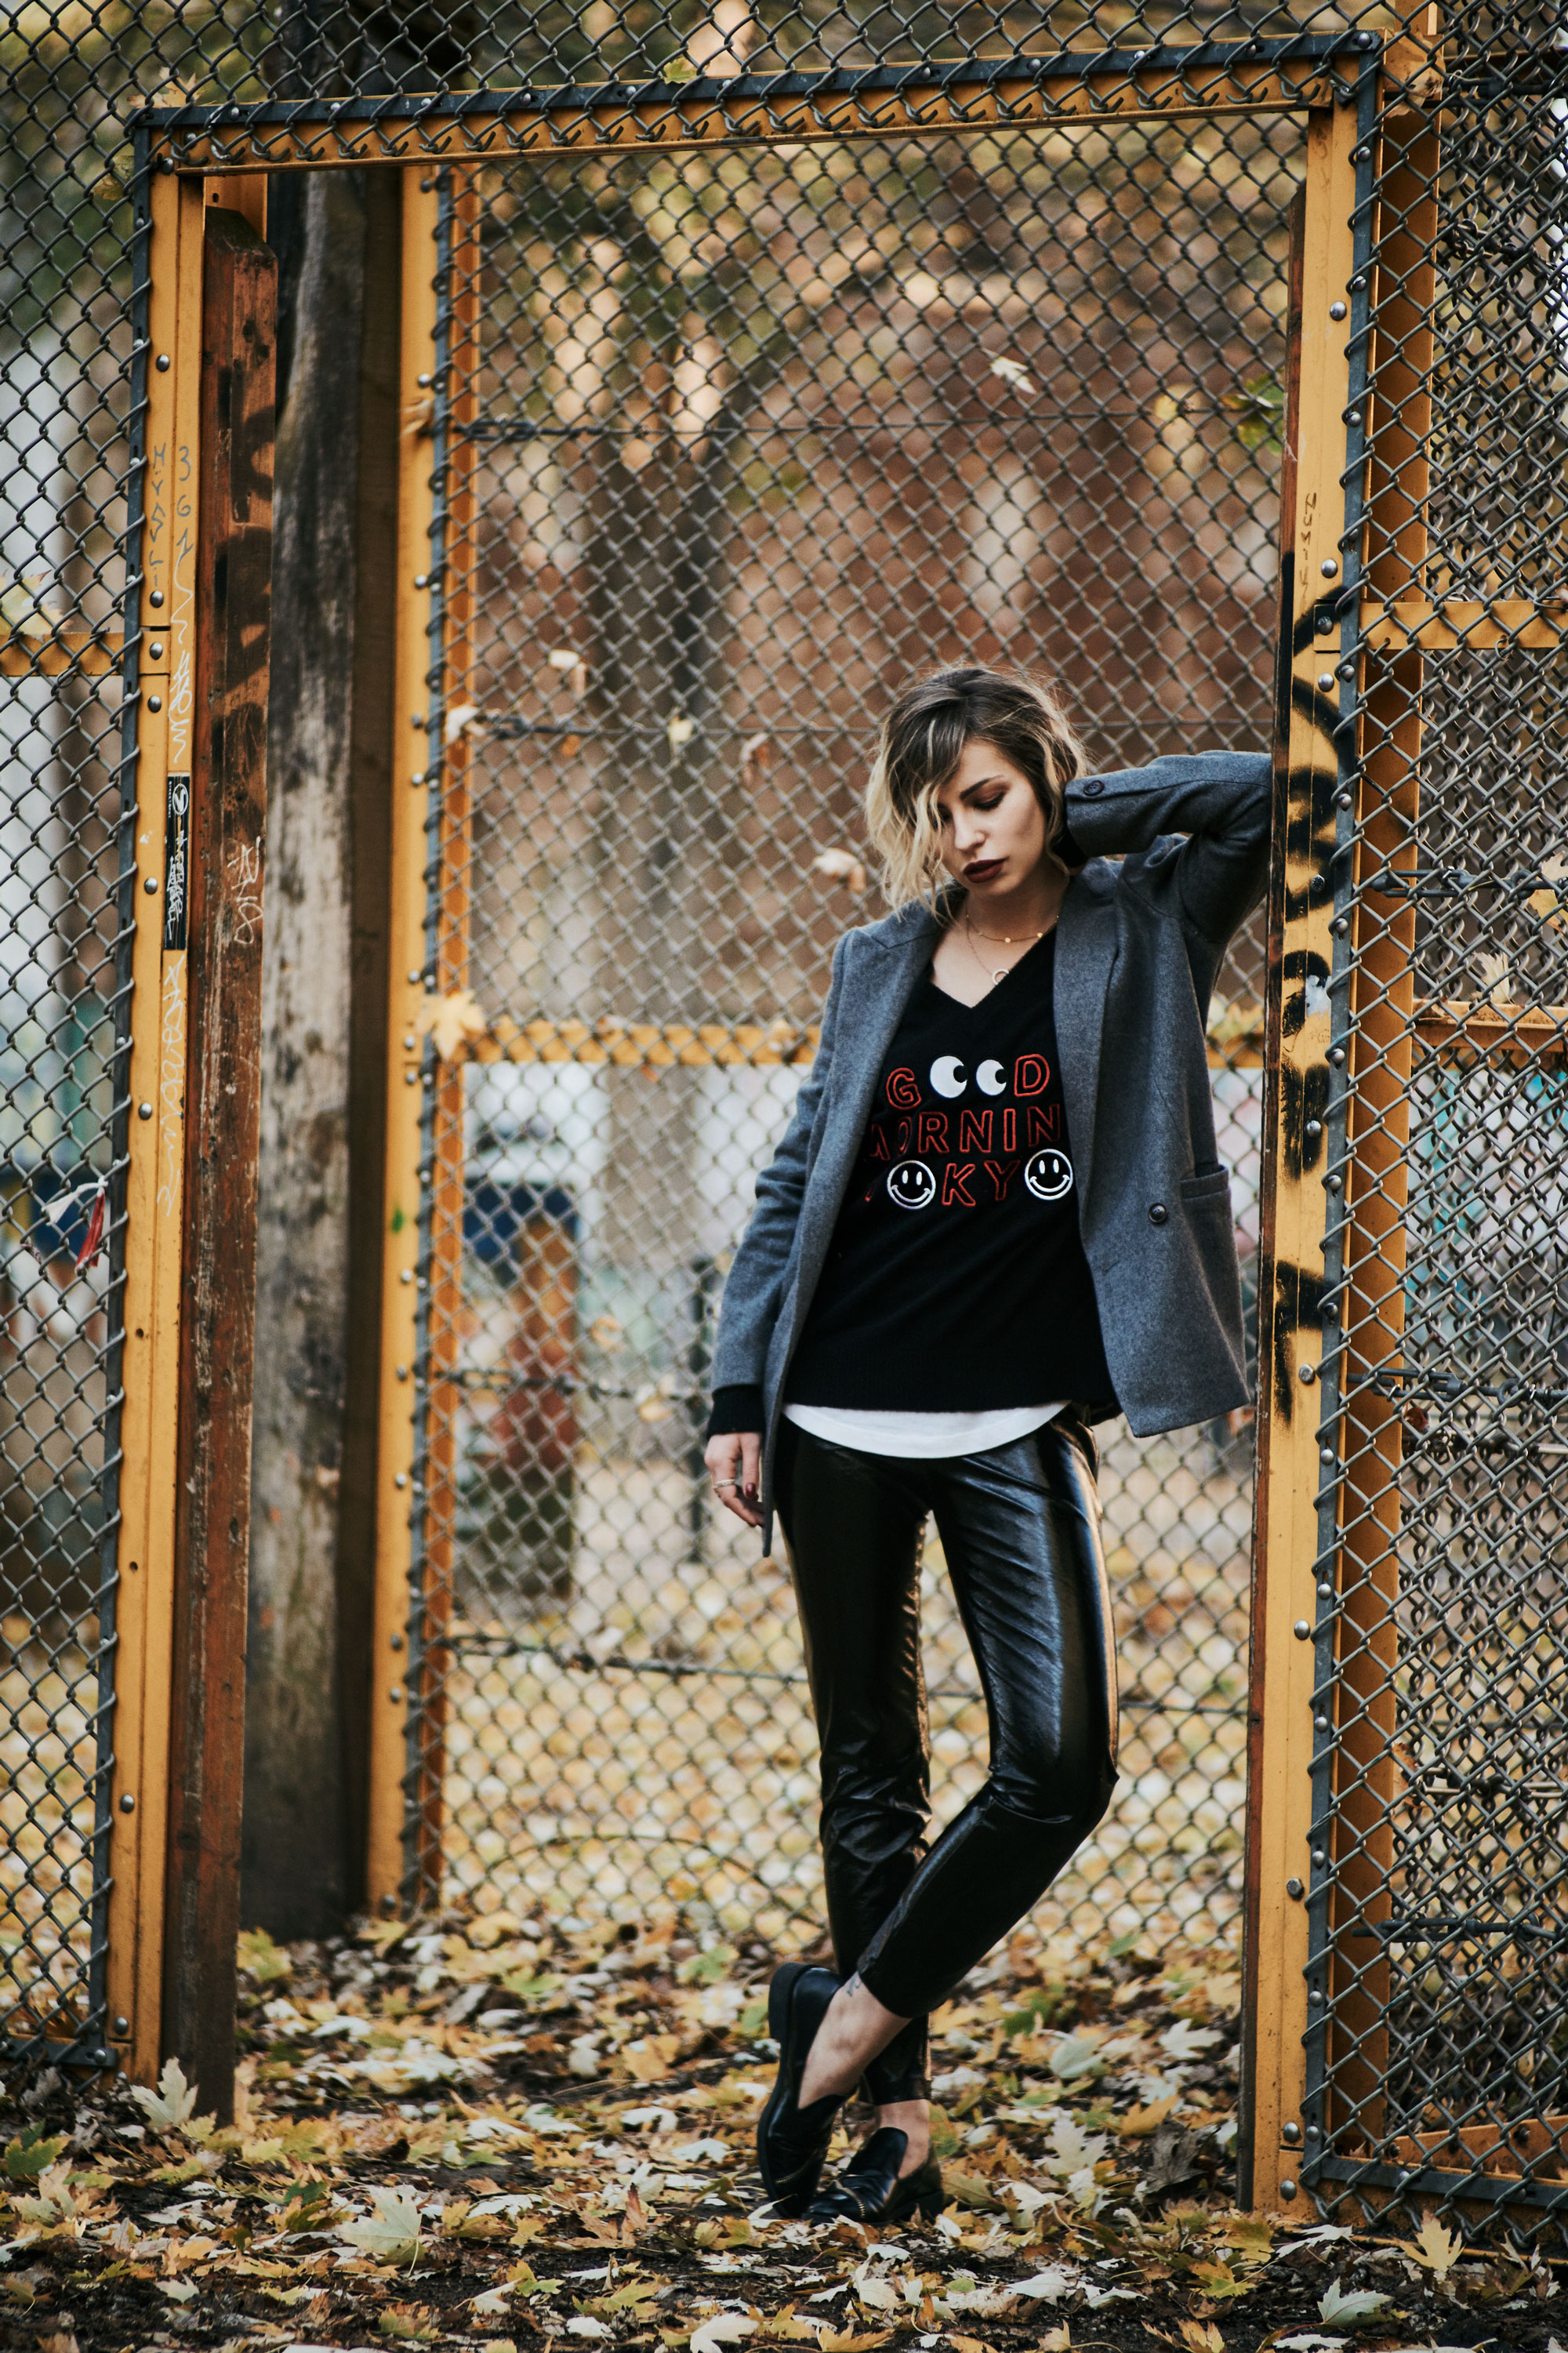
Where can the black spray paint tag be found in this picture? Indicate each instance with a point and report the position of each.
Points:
(177, 862)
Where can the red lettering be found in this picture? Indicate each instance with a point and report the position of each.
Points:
(879, 1141)
(906, 1137)
(903, 1089)
(974, 1131)
(1044, 1125)
(1001, 1173)
(1031, 1074)
(1009, 1130)
(933, 1132)
(956, 1179)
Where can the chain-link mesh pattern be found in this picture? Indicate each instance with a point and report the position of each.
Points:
(59, 927)
(64, 344)
(739, 450)
(1435, 2052)
(733, 444)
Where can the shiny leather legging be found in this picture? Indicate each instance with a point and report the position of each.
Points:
(1020, 1531)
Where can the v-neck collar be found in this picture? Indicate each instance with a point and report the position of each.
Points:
(992, 993)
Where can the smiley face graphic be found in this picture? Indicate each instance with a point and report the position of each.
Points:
(1049, 1174)
(911, 1185)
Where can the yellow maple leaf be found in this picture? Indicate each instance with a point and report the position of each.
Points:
(1139, 2123)
(1436, 2249)
(1202, 2337)
(452, 1021)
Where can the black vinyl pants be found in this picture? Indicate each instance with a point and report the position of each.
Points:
(1020, 1530)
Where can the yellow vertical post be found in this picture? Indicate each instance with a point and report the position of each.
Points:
(406, 963)
(454, 888)
(1289, 1328)
(155, 1180)
(244, 193)
(1384, 1012)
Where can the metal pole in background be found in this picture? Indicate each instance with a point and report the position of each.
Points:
(1290, 1296)
(401, 1201)
(161, 613)
(699, 1364)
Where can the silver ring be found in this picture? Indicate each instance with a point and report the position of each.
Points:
(719, 1484)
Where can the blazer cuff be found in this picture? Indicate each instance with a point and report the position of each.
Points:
(736, 1408)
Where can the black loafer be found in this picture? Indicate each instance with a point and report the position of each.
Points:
(792, 2141)
(869, 2190)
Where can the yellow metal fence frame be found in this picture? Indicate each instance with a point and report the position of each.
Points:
(404, 1805)
(423, 1166)
(168, 623)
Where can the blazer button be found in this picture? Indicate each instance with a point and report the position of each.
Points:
(1158, 1213)
(1092, 787)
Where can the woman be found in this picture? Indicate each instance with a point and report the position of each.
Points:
(996, 1218)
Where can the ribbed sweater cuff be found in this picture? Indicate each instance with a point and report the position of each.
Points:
(736, 1408)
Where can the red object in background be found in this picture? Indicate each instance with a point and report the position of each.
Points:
(97, 1219)
(536, 1430)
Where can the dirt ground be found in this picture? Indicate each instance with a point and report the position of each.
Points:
(496, 2134)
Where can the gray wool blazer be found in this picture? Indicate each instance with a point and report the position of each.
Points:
(1139, 943)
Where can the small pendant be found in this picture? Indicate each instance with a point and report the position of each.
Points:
(1001, 973)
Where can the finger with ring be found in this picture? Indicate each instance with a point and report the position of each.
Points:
(719, 1484)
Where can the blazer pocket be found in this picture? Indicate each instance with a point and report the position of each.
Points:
(1199, 1190)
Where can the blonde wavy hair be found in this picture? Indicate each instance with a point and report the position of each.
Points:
(920, 744)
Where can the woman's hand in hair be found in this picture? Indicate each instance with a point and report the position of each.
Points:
(735, 1468)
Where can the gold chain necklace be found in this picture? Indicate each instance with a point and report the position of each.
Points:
(1003, 939)
(1007, 939)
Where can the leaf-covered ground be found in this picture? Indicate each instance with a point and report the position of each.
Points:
(491, 2134)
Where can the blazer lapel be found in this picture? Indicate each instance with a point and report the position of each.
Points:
(878, 981)
(1086, 951)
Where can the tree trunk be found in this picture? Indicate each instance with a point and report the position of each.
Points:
(298, 1845)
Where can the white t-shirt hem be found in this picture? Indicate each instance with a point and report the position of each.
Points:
(919, 1437)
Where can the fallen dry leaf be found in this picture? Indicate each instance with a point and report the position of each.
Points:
(392, 2234)
(1436, 2249)
(420, 2150)
(451, 1021)
(171, 2102)
(1139, 2123)
(1202, 2337)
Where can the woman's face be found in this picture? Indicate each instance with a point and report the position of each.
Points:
(993, 827)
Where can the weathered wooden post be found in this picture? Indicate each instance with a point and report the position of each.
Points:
(228, 796)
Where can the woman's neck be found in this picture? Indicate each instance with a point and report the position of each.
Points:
(1023, 913)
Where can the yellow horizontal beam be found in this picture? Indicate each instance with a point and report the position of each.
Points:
(1434, 628)
(49, 653)
(644, 1045)
(1235, 1043)
(592, 118)
(671, 1045)
(1537, 1030)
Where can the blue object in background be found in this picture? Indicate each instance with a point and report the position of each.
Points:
(495, 1212)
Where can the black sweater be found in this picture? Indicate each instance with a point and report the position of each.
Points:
(956, 1280)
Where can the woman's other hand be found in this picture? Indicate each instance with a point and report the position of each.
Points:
(735, 1467)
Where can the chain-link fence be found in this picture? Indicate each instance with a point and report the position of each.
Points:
(736, 439)
(63, 351)
(1436, 2052)
(752, 438)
